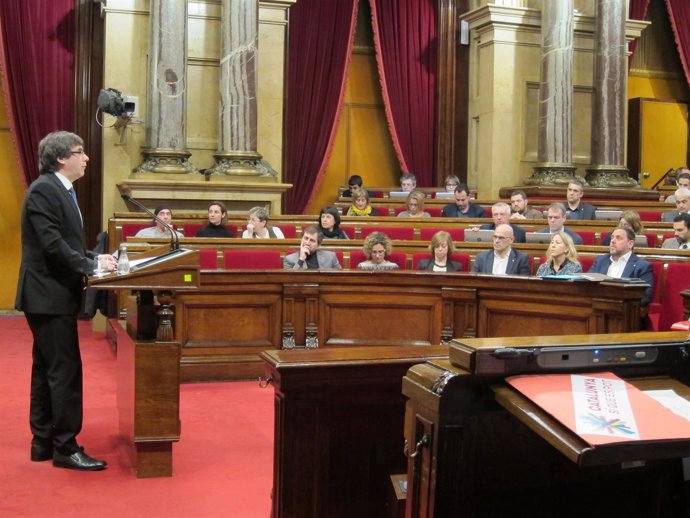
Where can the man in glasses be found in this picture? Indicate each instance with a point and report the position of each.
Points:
(51, 279)
(502, 260)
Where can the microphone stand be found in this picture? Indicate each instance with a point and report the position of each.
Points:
(174, 239)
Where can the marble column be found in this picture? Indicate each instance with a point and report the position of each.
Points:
(166, 129)
(610, 97)
(554, 148)
(237, 153)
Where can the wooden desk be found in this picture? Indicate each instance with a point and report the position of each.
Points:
(475, 459)
(338, 428)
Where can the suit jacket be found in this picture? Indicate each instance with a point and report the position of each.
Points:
(428, 264)
(668, 216)
(475, 211)
(671, 244)
(636, 268)
(577, 239)
(325, 258)
(517, 231)
(518, 263)
(586, 210)
(54, 259)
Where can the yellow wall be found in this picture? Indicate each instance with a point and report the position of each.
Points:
(11, 197)
(363, 143)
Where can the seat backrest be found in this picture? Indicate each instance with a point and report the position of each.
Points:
(677, 280)
(434, 212)
(208, 259)
(130, 229)
(289, 231)
(456, 234)
(350, 231)
(252, 260)
(587, 236)
(191, 228)
(397, 233)
(650, 215)
(586, 262)
(657, 267)
(356, 257)
(651, 239)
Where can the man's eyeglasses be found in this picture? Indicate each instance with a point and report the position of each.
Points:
(500, 238)
(80, 152)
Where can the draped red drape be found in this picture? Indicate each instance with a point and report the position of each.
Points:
(405, 34)
(637, 11)
(679, 13)
(320, 44)
(38, 41)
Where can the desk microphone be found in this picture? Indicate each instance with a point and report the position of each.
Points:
(174, 239)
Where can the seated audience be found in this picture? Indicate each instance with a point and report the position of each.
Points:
(441, 247)
(462, 207)
(451, 183)
(310, 256)
(258, 228)
(216, 222)
(377, 247)
(164, 213)
(360, 204)
(628, 219)
(354, 182)
(622, 261)
(520, 208)
(408, 182)
(682, 181)
(415, 206)
(556, 216)
(561, 257)
(681, 227)
(574, 207)
(329, 223)
(502, 260)
(500, 212)
(682, 196)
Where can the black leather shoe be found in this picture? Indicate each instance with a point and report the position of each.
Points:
(41, 451)
(78, 460)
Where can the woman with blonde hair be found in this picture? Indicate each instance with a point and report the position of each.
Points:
(415, 206)
(377, 247)
(561, 257)
(360, 204)
(441, 247)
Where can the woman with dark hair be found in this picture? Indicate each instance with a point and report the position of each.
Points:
(216, 222)
(329, 223)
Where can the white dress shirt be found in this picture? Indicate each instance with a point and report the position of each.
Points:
(616, 267)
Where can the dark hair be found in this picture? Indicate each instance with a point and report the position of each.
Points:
(355, 179)
(630, 233)
(684, 217)
(682, 175)
(223, 210)
(160, 208)
(57, 144)
(313, 229)
(333, 211)
(519, 192)
(462, 187)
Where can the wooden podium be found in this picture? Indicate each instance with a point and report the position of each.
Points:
(148, 370)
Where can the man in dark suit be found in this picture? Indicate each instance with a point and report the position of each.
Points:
(556, 217)
(462, 208)
(51, 279)
(574, 207)
(502, 260)
(621, 261)
(500, 213)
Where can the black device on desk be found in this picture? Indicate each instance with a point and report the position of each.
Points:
(510, 356)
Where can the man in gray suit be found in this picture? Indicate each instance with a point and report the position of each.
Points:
(681, 227)
(502, 260)
(682, 205)
(51, 279)
(309, 256)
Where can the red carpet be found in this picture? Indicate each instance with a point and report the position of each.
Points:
(222, 464)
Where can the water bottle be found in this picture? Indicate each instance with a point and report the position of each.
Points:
(122, 261)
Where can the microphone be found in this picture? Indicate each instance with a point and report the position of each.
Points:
(174, 239)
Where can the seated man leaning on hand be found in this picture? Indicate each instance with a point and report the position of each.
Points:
(621, 261)
(502, 260)
(309, 256)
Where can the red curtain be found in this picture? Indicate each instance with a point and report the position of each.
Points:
(679, 13)
(405, 34)
(38, 41)
(320, 44)
(637, 11)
